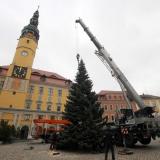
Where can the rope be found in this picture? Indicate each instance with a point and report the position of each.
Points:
(76, 39)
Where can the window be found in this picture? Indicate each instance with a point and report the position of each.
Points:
(102, 98)
(50, 91)
(112, 118)
(28, 105)
(153, 103)
(27, 117)
(52, 117)
(117, 107)
(105, 107)
(39, 98)
(107, 117)
(109, 97)
(63, 118)
(59, 92)
(43, 78)
(40, 116)
(49, 99)
(30, 89)
(49, 107)
(41, 90)
(38, 106)
(110, 107)
(58, 108)
(59, 99)
(1, 84)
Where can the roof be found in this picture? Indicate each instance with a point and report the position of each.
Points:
(147, 96)
(143, 96)
(41, 73)
(37, 75)
(47, 74)
(104, 92)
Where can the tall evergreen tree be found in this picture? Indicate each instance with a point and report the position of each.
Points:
(85, 114)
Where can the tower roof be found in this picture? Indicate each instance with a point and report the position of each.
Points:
(32, 26)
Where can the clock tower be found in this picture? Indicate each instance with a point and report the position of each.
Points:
(19, 72)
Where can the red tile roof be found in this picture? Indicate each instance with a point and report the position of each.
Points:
(146, 96)
(103, 92)
(41, 73)
(143, 96)
(50, 77)
(47, 74)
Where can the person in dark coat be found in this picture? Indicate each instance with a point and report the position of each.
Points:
(53, 141)
(109, 143)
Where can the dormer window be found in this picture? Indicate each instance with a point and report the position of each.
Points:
(36, 73)
(43, 78)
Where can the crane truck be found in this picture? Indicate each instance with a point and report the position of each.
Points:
(140, 125)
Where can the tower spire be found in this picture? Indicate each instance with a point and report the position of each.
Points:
(31, 28)
(34, 19)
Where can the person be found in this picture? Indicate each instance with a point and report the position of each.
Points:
(53, 141)
(109, 143)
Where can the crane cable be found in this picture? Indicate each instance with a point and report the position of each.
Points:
(104, 62)
(116, 78)
(76, 39)
(124, 93)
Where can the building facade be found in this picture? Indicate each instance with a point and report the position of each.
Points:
(111, 102)
(26, 93)
(151, 100)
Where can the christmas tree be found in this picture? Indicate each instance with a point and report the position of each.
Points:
(85, 132)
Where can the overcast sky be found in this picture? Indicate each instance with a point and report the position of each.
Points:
(128, 29)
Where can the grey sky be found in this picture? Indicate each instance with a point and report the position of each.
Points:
(128, 29)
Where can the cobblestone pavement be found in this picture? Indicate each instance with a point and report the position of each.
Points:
(21, 151)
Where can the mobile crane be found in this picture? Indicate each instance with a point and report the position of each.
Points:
(140, 125)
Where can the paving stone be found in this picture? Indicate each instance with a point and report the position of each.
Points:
(23, 151)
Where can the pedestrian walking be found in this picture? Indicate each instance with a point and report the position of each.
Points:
(109, 143)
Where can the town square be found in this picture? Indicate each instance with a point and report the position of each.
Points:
(79, 79)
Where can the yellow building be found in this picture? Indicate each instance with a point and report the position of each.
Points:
(25, 93)
(151, 100)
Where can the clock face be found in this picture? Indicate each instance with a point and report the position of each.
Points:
(19, 72)
(24, 53)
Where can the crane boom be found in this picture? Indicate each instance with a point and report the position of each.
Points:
(109, 63)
